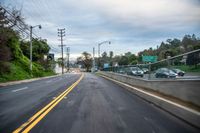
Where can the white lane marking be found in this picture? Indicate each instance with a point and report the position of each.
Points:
(160, 98)
(24, 88)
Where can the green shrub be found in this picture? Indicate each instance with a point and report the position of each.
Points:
(4, 67)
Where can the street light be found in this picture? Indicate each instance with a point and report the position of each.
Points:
(109, 42)
(31, 29)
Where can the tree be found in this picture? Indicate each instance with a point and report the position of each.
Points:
(40, 48)
(128, 54)
(104, 55)
(132, 60)
(123, 60)
(5, 52)
(59, 61)
(111, 54)
(3, 21)
(111, 58)
(193, 59)
(12, 19)
(116, 58)
(85, 60)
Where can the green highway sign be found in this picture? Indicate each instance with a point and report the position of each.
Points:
(149, 58)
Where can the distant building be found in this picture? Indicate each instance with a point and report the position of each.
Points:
(115, 64)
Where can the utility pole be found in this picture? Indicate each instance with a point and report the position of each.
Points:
(99, 56)
(61, 34)
(68, 53)
(93, 62)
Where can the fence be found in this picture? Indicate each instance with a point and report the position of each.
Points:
(184, 66)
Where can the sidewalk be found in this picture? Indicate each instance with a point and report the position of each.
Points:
(25, 81)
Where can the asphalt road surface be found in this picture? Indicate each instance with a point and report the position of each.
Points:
(93, 105)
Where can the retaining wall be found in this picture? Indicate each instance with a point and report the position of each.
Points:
(186, 90)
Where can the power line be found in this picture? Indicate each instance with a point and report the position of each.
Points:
(27, 30)
(18, 20)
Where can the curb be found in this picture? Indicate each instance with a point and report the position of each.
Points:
(184, 113)
(25, 81)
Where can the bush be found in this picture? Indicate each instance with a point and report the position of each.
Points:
(4, 67)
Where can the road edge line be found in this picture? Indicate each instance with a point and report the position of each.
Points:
(184, 113)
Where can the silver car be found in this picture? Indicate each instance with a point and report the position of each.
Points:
(135, 71)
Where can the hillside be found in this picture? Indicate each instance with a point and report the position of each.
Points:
(14, 62)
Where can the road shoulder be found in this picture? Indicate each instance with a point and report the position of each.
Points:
(25, 81)
(189, 115)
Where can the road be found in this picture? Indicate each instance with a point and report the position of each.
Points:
(93, 105)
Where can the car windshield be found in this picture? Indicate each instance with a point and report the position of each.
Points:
(135, 69)
(176, 70)
(164, 70)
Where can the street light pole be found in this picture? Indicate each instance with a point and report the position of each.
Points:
(93, 61)
(99, 46)
(31, 32)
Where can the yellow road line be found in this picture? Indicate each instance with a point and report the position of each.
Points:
(44, 111)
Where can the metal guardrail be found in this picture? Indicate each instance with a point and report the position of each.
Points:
(181, 67)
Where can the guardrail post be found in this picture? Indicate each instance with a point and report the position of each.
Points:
(149, 72)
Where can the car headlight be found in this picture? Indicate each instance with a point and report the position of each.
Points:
(133, 72)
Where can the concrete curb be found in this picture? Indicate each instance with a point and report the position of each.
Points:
(25, 81)
(189, 115)
(184, 90)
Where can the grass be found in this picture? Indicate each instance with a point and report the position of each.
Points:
(17, 72)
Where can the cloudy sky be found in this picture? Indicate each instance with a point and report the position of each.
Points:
(131, 25)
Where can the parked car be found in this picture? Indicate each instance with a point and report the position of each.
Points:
(145, 70)
(121, 71)
(179, 72)
(135, 71)
(165, 73)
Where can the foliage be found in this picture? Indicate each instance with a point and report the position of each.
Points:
(173, 47)
(14, 56)
(85, 60)
(39, 49)
(16, 73)
(126, 59)
(123, 60)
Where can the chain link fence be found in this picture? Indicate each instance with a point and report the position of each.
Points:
(184, 66)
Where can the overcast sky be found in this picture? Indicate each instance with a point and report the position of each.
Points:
(131, 25)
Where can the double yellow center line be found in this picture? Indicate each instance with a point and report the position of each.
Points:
(27, 126)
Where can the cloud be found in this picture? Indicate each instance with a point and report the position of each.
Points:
(131, 25)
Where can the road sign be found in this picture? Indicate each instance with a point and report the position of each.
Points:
(50, 56)
(105, 65)
(149, 58)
